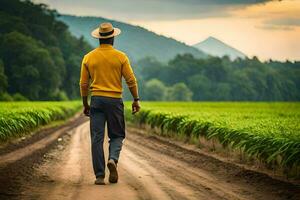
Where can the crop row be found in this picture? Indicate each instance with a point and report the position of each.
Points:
(20, 118)
(271, 147)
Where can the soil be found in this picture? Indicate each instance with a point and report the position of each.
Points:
(58, 165)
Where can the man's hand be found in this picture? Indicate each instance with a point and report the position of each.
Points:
(86, 110)
(135, 107)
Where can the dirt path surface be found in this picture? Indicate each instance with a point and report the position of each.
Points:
(149, 168)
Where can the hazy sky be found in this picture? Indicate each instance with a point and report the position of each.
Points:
(268, 29)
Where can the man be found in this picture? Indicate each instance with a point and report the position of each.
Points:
(101, 71)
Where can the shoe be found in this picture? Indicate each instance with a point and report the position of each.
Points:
(99, 181)
(113, 175)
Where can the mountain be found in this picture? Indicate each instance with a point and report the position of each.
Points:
(136, 41)
(215, 47)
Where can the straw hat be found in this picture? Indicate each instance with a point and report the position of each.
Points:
(105, 30)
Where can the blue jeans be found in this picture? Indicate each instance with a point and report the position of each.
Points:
(110, 110)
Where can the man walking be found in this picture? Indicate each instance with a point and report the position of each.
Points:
(102, 70)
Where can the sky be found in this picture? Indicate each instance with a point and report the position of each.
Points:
(267, 29)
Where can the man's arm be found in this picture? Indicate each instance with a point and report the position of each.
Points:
(131, 82)
(136, 100)
(134, 91)
(86, 107)
(84, 87)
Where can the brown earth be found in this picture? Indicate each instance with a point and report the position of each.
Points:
(149, 168)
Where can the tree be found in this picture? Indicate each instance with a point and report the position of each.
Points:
(40, 56)
(179, 92)
(32, 71)
(181, 68)
(155, 90)
(70, 83)
(223, 79)
(222, 92)
(242, 88)
(201, 87)
(149, 68)
(19, 97)
(3, 78)
(215, 70)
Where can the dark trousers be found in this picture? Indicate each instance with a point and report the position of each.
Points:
(110, 110)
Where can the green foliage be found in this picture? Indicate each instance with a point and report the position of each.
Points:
(6, 97)
(3, 78)
(179, 92)
(155, 90)
(220, 79)
(32, 71)
(19, 97)
(19, 118)
(39, 54)
(267, 131)
(201, 87)
(61, 96)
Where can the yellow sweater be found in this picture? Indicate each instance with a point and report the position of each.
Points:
(102, 70)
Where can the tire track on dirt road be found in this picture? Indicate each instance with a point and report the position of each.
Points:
(206, 174)
(149, 168)
(70, 175)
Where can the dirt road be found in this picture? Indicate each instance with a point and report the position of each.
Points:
(149, 168)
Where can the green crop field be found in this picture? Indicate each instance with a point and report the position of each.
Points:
(267, 131)
(18, 118)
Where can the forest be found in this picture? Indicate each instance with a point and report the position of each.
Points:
(40, 60)
(219, 79)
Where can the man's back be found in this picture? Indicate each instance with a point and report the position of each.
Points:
(105, 66)
(101, 72)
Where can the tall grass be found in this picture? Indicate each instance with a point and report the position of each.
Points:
(269, 132)
(22, 117)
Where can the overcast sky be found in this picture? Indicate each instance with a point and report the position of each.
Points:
(268, 29)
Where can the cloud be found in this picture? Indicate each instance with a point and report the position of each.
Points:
(273, 27)
(284, 21)
(150, 9)
(281, 24)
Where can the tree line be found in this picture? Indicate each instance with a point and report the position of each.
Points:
(218, 79)
(39, 58)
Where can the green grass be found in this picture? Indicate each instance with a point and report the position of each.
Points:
(267, 131)
(19, 118)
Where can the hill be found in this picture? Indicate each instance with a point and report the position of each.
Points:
(215, 47)
(136, 41)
